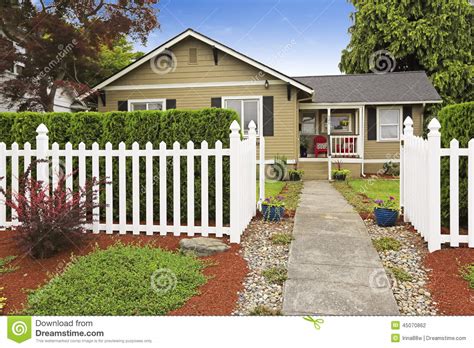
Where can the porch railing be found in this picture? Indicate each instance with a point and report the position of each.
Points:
(344, 145)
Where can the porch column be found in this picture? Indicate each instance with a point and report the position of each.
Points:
(328, 128)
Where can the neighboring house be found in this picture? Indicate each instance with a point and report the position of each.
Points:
(64, 101)
(365, 112)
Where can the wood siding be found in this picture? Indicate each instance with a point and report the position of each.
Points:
(391, 150)
(284, 141)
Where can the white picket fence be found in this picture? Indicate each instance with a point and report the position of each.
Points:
(242, 158)
(420, 185)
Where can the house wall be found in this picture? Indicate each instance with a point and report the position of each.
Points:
(385, 151)
(284, 141)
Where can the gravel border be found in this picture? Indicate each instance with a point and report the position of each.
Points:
(260, 253)
(413, 297)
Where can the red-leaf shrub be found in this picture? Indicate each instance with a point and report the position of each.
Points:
(50, 222)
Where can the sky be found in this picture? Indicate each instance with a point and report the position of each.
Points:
(296, 37)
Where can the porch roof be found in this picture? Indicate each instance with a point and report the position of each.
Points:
(395, 87)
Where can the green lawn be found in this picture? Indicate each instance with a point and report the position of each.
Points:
(272, 188)
(361, 193)
(376, 188)
(290, 190)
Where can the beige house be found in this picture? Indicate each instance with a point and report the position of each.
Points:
(313, 121)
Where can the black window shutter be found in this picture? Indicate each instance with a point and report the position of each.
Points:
(170, 104)
(371, 123)
(123, 105)
(216, 102)
(407, 111)
(268, 116)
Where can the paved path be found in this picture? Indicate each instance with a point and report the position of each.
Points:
(333, 268)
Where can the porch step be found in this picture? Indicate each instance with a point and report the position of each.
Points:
(314, 170)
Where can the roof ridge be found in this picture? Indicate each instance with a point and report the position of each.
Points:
(364, 74)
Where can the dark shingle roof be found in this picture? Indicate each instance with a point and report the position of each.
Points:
(372, 88)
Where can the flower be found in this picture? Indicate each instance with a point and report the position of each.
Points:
(391, 203)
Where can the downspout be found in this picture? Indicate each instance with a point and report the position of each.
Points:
(362, 137)
(328, 127)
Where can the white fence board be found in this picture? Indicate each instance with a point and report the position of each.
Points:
(420, 186)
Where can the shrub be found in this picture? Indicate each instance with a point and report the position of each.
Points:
(275, 275)
(4, 264)
(49, 222)
(400, 274)
(386, 243)
(467, 272)
(210, 124)
(121, 280)
(457, 122)
(264, 311)
(281, 238)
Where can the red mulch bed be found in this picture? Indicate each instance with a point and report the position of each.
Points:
(218, 296)
(448, 288)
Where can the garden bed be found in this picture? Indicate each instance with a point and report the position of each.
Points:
(265, 247)
(450, 291)
(218, 296)
(436, 285)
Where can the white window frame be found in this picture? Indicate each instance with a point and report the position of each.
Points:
(260, 110)
(324, 123)
(400, 117)
(147, 101)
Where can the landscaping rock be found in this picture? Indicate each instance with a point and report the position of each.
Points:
(202, 246)
(413, 296)
(261, 254)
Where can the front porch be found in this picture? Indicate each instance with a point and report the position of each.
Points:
(330, 135)
(342, 139)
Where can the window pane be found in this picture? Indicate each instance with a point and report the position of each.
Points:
(250, 112)
(308, 124)
(138, 106)
(389, 116)
(234, 104)
(389, 132)
(340, 123)
(155, 106)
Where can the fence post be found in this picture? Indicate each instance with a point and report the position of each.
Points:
(470, 193)
(253, 165)
(42, 147)
(434, 185)
(234, 182)
(407, 133)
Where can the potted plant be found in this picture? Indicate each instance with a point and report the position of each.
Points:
(340, 174)
(295, 174)
(386, 212)
(303, 146)
(273, 208)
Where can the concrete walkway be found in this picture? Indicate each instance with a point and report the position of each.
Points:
(333, 267)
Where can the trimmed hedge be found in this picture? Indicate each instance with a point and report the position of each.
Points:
(210, 124)
(457, 122)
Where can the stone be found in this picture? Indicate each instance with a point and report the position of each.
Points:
(202, 246)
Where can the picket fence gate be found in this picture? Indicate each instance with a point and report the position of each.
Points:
(242, 158)
(420, 185)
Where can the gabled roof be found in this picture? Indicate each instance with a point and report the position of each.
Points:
(413, 86)
(191, 33)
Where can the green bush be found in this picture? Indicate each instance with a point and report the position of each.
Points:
(457, 122)
(121, 280)
(209, 124)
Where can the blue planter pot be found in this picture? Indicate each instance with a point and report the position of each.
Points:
(272, 213)
(385, 217)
